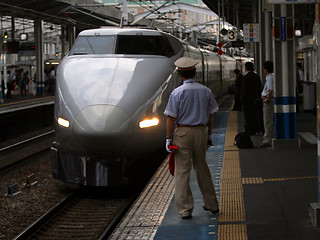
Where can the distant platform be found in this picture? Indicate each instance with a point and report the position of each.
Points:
(17, 102)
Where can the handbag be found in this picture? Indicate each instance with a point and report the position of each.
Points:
(243, 140)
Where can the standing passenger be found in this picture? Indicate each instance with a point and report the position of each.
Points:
(9, 84)
(268, 106)
(191, 108)
(250, 96)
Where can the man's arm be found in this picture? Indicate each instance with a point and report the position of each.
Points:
(210, 124)
(171, 121)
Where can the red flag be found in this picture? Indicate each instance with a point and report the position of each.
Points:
(171, 159)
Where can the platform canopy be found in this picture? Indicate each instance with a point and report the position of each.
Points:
(89, 14)
(244, 7)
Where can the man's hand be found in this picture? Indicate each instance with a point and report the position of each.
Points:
(168, 144)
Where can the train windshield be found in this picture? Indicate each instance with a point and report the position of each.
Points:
(93, 45)
(141, 45)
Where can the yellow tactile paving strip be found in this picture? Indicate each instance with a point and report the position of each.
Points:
(232, 217)
(259, 180)
(232, 231)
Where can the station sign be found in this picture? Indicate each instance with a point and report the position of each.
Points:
(283, 28)
(251, 32)
(220, 52)
(291, 1)
(220, 45)
(232, 35)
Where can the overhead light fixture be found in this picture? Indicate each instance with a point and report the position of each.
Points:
(63, 122)
(23, 36)
(149, 123)
(298, 33)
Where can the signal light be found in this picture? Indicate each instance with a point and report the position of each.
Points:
(5, 35)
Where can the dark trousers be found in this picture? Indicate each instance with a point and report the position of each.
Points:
(237, 102)
(250, 116)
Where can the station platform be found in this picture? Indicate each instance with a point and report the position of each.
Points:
(264, 193)
(17, 102)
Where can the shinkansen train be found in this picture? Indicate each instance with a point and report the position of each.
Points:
(111, 93)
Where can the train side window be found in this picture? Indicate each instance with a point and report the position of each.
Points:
(80, 47)
(167, 46)
(141, 45)
(176, 44)
(93, 45)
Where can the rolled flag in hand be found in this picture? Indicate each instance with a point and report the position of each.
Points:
(171, 159)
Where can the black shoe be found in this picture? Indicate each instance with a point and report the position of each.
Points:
(207, 209)
(265, 145)
(187, 217)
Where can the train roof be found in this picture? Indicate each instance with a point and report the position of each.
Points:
(118, 31)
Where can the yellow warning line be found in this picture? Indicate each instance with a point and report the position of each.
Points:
(259, 180)
(232, 217)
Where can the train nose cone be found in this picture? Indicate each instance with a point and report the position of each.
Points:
(102, 127)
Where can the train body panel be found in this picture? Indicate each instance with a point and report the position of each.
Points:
(104, 92)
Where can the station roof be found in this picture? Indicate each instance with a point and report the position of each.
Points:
(304, 14)
(244, 6)
(89, 14)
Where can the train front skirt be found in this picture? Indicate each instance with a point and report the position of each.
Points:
(87, 171)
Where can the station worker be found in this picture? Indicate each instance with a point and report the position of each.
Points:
(189, 125)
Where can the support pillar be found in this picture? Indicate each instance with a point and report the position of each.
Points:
(284, 72)
(63, 41)
(268, 32)
(314, 209)
(71, 35)
(1, 97)
(38, 36)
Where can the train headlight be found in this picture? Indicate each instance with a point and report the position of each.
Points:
(149, 123)
(63, 122)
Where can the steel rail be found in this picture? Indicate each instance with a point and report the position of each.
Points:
(44, 218)
(26, 141)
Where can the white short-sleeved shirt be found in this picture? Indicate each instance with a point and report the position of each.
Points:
(191, 103)
(268, 85)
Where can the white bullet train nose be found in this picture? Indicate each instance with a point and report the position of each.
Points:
(102, 127)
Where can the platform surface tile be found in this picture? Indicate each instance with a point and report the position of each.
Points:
(264, 194)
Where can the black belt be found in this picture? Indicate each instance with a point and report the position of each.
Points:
(198, 125)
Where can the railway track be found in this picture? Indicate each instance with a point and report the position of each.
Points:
(81, 216)
(19, 153)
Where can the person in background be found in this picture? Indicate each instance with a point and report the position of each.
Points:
(238, 82)
(191, 108)
(2, 85)
(52, 83)
(299, 84)
(250, 98)
(9, 84)
(268, 103)
(26, 80)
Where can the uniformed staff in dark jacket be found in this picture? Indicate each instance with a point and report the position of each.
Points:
(191, 108)
(251, 99)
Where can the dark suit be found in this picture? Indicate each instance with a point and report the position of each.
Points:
(250, 98)
(238, 84)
